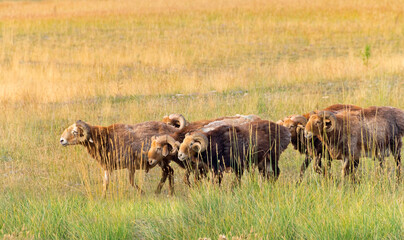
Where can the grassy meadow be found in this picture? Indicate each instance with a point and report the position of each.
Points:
(131, 61)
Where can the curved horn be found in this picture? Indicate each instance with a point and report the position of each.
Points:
(200, 141)
(169, 140)
(300, 119)
(301, 122)
(86, 131)
(176, 119)
(329, 116)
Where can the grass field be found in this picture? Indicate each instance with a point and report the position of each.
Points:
(132, 61)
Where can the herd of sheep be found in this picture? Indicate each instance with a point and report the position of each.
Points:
(240, 143)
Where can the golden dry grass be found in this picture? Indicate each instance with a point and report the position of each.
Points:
(123, 48)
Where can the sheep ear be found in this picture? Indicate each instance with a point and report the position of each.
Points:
(165, 151)
(299, 128)
(196, 147)
(84, 131)
(327, 122)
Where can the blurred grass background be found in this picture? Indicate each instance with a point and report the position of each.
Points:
(132, 61)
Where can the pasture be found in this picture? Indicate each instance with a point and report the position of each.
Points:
(106, 62)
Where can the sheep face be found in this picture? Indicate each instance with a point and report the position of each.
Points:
(160, 149)
(313, 127)
(157, 152)
(319, 123)
(191, 146)
(75, 134)
(185, 150)
(293, 126)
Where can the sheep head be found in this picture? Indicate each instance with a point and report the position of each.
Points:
(192, 145)
(161, 147)
(77, 133)
(176, 120)
(320, 123)
(294, 123)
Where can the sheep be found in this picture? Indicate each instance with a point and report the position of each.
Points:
(348, 135)
(118, 146)
(238, 147)
(313, 148)
(164, 148)
(162, 151)
(176, 120)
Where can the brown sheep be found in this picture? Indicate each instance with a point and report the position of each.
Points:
(118, 146)
(312, 148)
(164, 148)
(349, 135)
(258, 143)
(162, 151)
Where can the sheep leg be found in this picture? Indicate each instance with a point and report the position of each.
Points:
(203, 170)
(164, 175)
(132, 180)
(398, 165)
(327, 173)
(349, 169)
(381, 164)
(200, 170)
(380, 171)
(303, 168)
(170, 180)
(186, 177)
(271, 170)
(266, 169)
(220, 178)
(196, 174)
(105, 183)
(275, 167)
(237, 181)
(354, 168)
(317, 165)
(261, 167)
(398, 168)
(345, 168)
(269, 173)
(213, 176)
(216, 177)
(397, 157)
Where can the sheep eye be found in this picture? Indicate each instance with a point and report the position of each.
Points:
(74, 132)
(158, 149)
